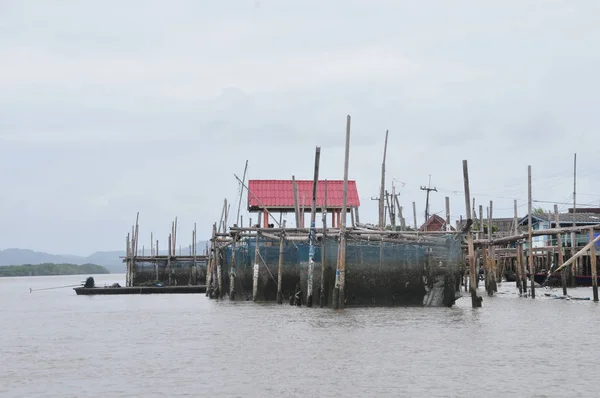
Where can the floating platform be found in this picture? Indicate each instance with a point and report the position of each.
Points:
(88, 291)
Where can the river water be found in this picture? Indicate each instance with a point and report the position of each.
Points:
(56, 344)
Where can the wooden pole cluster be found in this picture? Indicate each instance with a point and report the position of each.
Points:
(134, 256)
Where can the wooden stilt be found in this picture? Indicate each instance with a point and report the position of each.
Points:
(529, 230)
(559, 246)
(313, 231)
(232, 268)
(475, 300)
(323, 250)
(280, 268)
(593, 266)
(256, 268)
(517, 261)
(415, 215)
(340, 282)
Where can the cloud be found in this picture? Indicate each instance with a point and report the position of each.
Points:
(154, 108)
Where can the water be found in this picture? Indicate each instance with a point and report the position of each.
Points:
(56, 344)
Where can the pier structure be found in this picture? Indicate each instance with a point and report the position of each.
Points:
(170, 268)
(346, 264)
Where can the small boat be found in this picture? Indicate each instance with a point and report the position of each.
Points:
(89, 288)
(554, 279)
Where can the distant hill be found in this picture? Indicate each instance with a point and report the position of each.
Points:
(109, 259)
(51, 269)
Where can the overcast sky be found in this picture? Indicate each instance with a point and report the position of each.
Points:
(113, 107)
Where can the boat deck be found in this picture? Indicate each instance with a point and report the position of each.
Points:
(141, 290)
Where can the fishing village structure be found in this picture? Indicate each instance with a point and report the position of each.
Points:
(170, 269)
(364, 265)
(360, 264)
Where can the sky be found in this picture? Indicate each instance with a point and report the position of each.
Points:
(117, 107)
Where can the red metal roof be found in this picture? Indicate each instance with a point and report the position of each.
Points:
(280, 194)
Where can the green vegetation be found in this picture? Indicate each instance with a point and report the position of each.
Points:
(51, 269)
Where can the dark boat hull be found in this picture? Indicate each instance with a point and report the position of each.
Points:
(140, 290)
(555, 279)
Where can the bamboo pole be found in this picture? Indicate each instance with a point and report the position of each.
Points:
(492, 253)
(280, 269)
(529, 230)
(127, 263)
(156, 263)
(256, 269)
(447, 202)
(382, 186)
(323, 249)
(578, 254)
(340, 280)
(517, 262)
(232, 269)
(169, 258)
(219, 271)
(313, 231)
(593, 265)
(415, 215)
(573, 235)
(475, 300)
(560, 259)
(237, 217)
(296, 202)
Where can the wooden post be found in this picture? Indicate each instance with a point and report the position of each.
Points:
(593, 265)
(492, 254)
(574, 234)
(238, 217)
(256, 268)
(169, 258)
(390, 210)
(475, 301)
(563, 275)
(127, 262)
(232, 269)
(313, 230)
(400, 215)
(382, 186)
(324, 248)
(352, 222)
(481, 230)
(211, 261)
(448, 226)
(530, 233)
(279, 269)
(195, 281)
(340, 277)
(219, 271)
(517, 261)
(296, 203)
(415, 215)
(156, 263)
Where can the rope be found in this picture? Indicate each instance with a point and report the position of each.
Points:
(56, 287)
